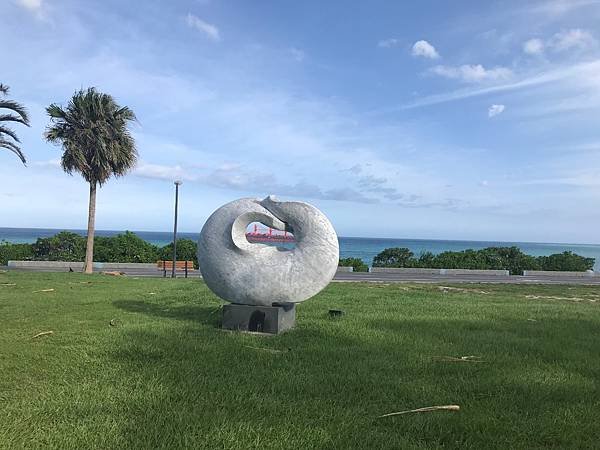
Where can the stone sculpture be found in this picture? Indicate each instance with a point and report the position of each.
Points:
(261, 275)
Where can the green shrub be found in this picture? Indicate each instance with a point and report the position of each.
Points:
(187, 250)
(567, 261)
(64, 246)
(14, 252)
(491, 258)
(394, 257)
(357, 264)
(125, 247)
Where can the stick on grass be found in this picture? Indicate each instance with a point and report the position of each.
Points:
(420, 410)
(43, 333)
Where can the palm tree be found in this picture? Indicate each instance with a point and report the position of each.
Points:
(8, 138)
(96, 142)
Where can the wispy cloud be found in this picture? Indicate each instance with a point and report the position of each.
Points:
(297, 54)
(469, 73)
(563, 41)
(533, 46)
(572, 39)
(587, 69)
(31, 5)
(495, 110)
(37, 8)
(209, 30)
(387, 43)
(424, 49)
(235, 177)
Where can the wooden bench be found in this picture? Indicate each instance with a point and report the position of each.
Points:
(180, 266)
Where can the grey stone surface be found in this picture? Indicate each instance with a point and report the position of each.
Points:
(257, 274)
(264, 319)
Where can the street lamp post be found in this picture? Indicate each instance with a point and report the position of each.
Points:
(177, 184)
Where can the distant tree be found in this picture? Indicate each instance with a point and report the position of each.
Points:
(8, 138)
(96, 142)
(394, 257)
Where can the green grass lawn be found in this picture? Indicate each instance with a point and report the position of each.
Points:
(166, 376)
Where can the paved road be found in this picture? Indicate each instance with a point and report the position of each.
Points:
(514, 279)
(411, 278)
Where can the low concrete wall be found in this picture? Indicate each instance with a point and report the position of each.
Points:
(345, 269)
(117, 266)
(419, 271)
(407, 270)
(64, 266)
(555, 273)
(502, 273)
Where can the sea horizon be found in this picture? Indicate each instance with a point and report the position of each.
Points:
(385, 238)
(365, 248)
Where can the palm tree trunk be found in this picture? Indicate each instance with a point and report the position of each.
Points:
(89, 250)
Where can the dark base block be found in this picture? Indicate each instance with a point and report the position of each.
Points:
(263, 319)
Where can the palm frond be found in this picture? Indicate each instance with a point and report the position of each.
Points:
(8, 132)
(16, 107)
(13, 148)
(21, 117)
(12, 118)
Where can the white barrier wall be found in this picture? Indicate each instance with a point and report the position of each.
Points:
(407, 270)
(64, 265)
(418, 271)
(345, 269)
(553, 273)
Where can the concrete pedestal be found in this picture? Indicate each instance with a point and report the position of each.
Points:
(265, 319)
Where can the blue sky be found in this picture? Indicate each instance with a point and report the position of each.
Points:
(451, 120)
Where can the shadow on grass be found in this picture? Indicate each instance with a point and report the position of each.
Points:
(225, 390)
(206, 315)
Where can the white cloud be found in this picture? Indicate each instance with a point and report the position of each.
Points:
(569, 39)
(575, 38)
(31, 5)
(211, 31)
(473, 73)
(387, 43)
(297, 54)
(161, 172)
(533, 47)
(495, 110)
(425, 49)
(52, 163)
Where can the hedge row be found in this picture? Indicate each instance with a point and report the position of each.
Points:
(495, 258)
(126, 247)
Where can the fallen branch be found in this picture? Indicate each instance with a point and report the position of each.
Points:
(269, 350)
(43, 333)
(44, 290)
(8, 284)
(420, 410)
(474, 359)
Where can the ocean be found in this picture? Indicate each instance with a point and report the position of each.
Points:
(350, 247)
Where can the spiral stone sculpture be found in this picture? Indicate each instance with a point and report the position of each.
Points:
(257, 274)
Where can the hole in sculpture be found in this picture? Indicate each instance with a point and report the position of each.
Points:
(257, 232)
(257, 321)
